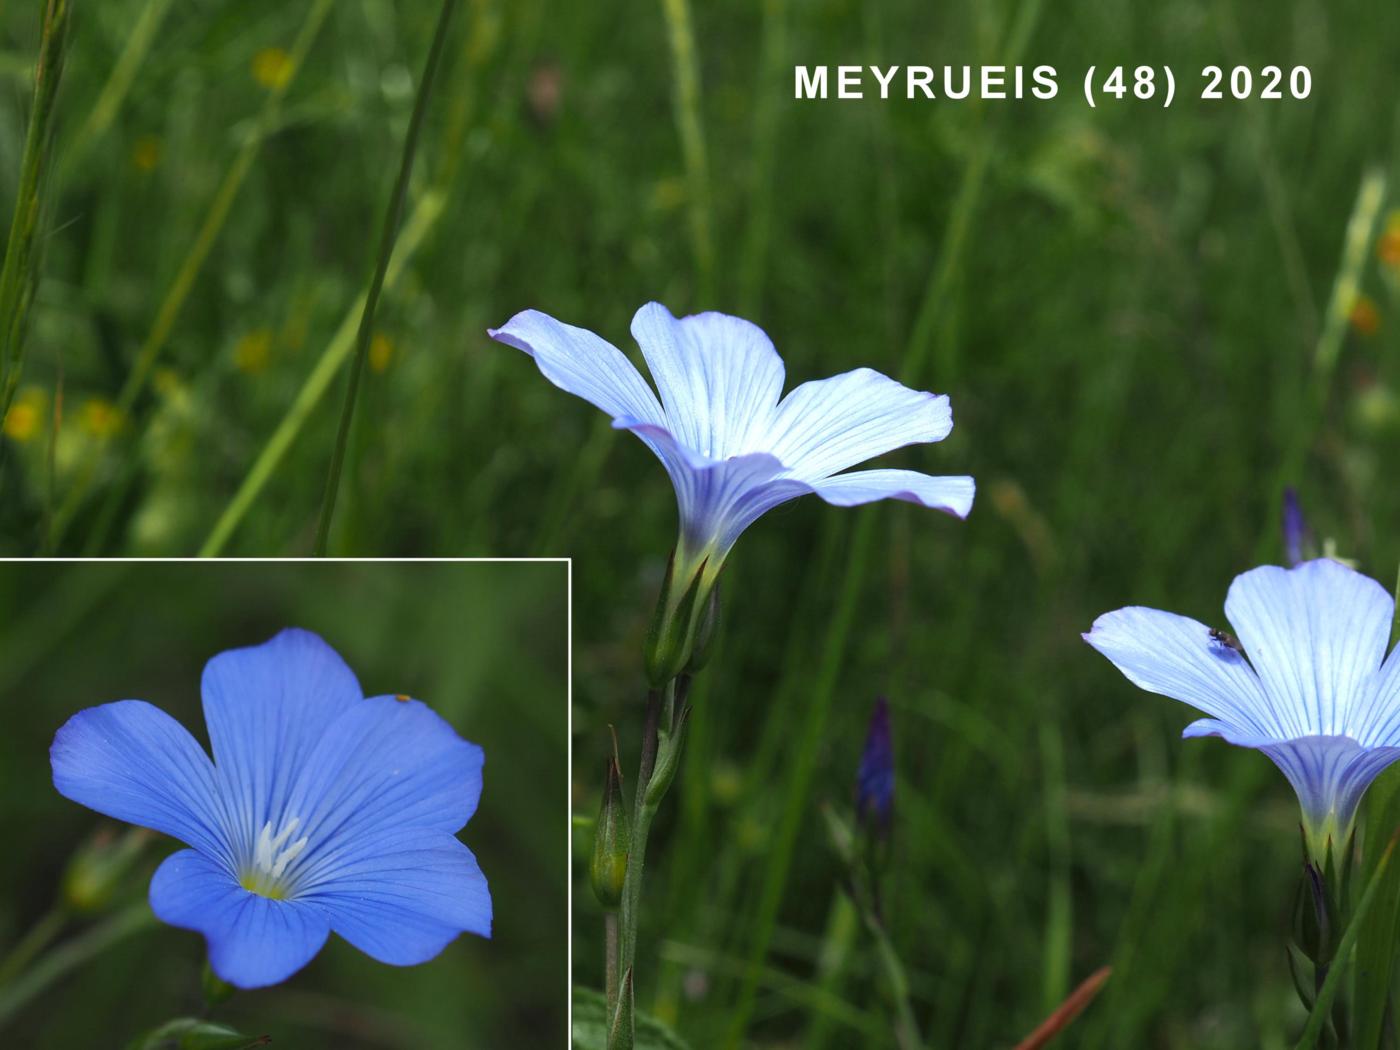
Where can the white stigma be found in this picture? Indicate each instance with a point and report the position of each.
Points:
(272, 855)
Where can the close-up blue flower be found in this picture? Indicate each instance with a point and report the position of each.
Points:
(734, 446)
(322, 810)
(1304, 678)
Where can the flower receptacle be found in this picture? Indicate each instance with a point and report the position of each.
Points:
(681, 606)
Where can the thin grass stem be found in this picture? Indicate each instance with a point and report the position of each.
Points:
(381, 267)
(193, 264)
(70, 955)
(691, 127)
(19, 275)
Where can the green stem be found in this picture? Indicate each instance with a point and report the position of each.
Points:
(906, 1027)
(33, 942)
(610, 958)
(425, 216)
(193, 264)
(642, 814)
(381, 267)
(800, 780)
(692, 132)
(70, 955)
(139, 39)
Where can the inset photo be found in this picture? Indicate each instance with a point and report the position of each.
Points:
(312, 804)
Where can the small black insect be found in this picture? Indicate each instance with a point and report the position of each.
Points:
(1226, 639)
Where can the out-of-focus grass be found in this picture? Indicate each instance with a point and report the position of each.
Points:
(1127, 324)
(485, 644)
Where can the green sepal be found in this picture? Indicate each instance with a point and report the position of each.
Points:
(702, 645)
(192, 1033)
(97, 869)
(673, 625)
(622, 1032)
(214, 988)
(668, 758)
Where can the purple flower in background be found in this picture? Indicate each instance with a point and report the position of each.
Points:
(875, 780)
(1307, 682)
(321, 811)
(732, 444)
(1296, 536)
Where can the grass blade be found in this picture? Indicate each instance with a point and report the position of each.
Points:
(193, 264)
(381, 266)
(691, 127)
(19, 274)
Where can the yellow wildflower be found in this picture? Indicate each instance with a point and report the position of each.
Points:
(99, 417)
(145, 153)
(381, 352)
(253, 351)
(1364, 317)
(272, 68)
(26, 416)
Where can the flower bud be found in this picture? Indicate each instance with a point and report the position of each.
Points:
(875, 780)
(97, 868)
(612, 841)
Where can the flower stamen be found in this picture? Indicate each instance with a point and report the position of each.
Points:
(271, 858)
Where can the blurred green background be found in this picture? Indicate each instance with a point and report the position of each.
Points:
(484, 644)
(1149, 321)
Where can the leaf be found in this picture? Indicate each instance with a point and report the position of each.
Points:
(591, 1024)
(1377, 942)
(1323, 1007)
(190, 1033)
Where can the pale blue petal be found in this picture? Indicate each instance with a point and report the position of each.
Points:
(253, 941)
(1330, 773)
(719, 378)
(827, 425)
(387, 768)
(268, 707)
(404, 907)
(1382, 726)
(1316, 634)
(576, 360)
(1175, 656)
(951, 494)
(135, 763)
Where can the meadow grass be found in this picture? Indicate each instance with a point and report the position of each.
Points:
(1148, 321)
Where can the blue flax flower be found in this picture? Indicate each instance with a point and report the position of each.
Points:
(1305, 679)
(322, 810)
(732, 444)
